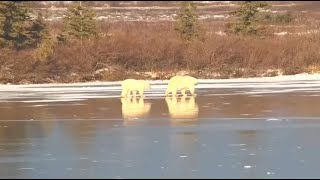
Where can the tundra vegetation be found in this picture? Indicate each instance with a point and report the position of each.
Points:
(80, 48)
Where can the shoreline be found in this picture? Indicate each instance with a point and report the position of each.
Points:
(296, 77)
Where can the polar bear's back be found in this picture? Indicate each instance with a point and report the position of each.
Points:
(134, 84)
(193, 79)
(176, 78)
(128, 82)
(182, 80)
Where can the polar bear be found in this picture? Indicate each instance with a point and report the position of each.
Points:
(134, 86)
(181, 83)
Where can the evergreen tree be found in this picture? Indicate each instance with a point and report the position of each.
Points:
(246, 17)
(39, 30)
(187, 23)
(44, 41)
(17, 29)
(14, 22)
(79, 23)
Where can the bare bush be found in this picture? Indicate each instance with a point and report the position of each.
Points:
(156, 47)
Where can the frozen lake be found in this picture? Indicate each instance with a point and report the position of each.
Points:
(232, 129)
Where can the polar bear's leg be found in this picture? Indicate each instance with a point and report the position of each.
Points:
(183, 92)
(124, 92)
(141, 92)
(140, 102)
(167, 92)
(134, 93)
(174, 92)
(123, 101)
(192, 90)
(135, 101)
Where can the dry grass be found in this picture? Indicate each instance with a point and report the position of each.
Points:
(126, 48)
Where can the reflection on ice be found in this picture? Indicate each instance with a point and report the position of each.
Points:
(134, 108)
(182, 109)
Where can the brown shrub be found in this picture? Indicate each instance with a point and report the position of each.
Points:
(154, 47)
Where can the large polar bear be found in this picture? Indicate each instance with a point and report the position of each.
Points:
(133, 86)
(181, 83)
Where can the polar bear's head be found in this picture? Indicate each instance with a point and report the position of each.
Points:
(146, 85)
(195, 81)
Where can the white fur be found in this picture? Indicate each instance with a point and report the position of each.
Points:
(133, 86)
(181, 83)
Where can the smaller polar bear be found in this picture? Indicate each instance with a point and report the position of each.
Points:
(181, 83)
(133, 86)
